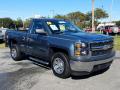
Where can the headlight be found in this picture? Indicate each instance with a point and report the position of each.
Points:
(81, 49)
(83, 45)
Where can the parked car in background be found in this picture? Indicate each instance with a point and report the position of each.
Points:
(111, 30)
(88, 29)
(1, 36)
(119, 31)
(108, 28)
(2, 33)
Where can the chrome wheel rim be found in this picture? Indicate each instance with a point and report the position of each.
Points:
(58, 65)
(13, 53)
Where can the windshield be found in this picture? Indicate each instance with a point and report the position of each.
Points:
(62, 26)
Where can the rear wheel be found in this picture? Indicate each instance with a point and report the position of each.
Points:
(60, 65)
(16, 53)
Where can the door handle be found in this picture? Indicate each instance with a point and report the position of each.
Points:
(23, 38)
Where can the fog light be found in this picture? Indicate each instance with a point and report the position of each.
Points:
(84, 52)
(78, 45)
(77, 53)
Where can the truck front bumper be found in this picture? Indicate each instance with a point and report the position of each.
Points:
(84, 68)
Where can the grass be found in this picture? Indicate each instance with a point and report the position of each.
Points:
(2, 45)
(117, 43)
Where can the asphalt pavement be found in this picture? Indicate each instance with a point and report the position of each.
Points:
(25, 75)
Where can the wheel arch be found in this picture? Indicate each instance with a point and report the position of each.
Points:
(57, 49)
(12, 42)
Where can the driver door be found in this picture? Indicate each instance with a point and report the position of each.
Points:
(37, 42)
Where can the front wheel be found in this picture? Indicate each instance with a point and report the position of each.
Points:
(60, 65)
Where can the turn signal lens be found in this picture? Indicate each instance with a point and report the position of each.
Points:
(77, 49)
(77, 53)
(78, 45)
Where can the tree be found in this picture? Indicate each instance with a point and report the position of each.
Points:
(99, 14)
(27, 22)
(117, 23)
(18, 23)
(76, 17)
(6, 22)
(61, 16)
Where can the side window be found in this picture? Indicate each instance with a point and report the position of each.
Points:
(37, 25)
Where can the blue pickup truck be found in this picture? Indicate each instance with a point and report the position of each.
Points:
(63, 46)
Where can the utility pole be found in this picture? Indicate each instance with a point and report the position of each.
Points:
(23, 25)
(52, 13)
(93, 17)
(111, 6)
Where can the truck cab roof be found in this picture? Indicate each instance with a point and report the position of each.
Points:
(47, 19)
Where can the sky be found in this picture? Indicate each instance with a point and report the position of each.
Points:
(29, 8)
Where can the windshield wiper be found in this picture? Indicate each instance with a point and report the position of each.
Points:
(73, 30)
(58, 32)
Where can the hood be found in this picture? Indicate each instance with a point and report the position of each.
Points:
(83, 36)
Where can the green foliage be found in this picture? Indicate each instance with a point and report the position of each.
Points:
(84, 20)
(6, 22)
(76, 17)
(60, 16)
(2, 45)
(117, 42)
(9, 23)
(100, 14)
(117, 23)
(14, 24)
(18, 23)
(27, 23)
(73, 16)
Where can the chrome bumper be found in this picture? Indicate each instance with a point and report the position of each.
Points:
(87, 66)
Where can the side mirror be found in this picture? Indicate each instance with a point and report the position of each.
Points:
(41, 31)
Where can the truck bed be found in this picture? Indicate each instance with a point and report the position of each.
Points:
(16, 35)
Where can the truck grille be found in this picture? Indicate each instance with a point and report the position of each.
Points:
(97, 44)
(101, 48)
(101, 52)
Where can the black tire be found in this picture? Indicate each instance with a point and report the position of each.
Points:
(19, 56)
(1, 41)
(66, 72)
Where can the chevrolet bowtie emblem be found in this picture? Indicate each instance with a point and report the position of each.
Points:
(105, 47)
